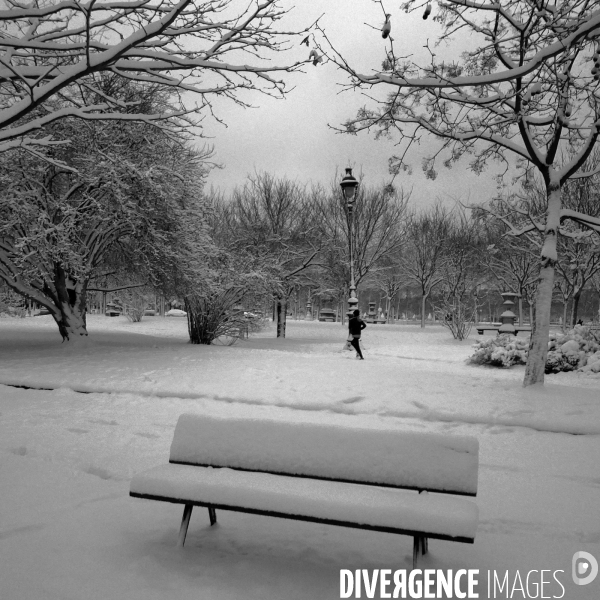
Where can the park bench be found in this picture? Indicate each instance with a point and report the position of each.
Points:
(374, 479)
(495, 327)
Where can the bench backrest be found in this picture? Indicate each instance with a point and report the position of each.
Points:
(386, 457)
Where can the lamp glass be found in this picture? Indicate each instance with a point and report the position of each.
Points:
(349, 191)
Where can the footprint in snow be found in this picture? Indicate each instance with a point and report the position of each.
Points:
(77, 430)
(103, 422)
(19, 530)
(352, 399)
(98, 472)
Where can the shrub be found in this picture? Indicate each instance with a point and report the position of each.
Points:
(212, 316)
(134, 305)
(572, 350)
(577, 349)
(504, 350)
(593, 363)
(457, 316)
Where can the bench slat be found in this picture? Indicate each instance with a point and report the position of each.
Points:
(351, 505)
(385, 457)
(302, 476)
(268, 513)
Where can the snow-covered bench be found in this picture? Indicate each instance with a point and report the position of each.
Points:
(374, 479)
(496, 326)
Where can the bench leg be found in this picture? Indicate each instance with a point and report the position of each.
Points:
(185, 521)
(212, 514)
(420, 544)
(416, 541)
(423, 538)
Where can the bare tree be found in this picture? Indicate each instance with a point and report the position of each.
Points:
(426, 234)
(460, 273)
(380, 216)
(579, 247)
(512, 261)
(529, 91)
(389, 279)
(581, 263)
(272, 220)
(51, 51)
(596, 286)
(563, 291)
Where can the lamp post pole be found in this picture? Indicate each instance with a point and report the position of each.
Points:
(349, 186)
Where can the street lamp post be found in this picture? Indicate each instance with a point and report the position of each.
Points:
(349, 186)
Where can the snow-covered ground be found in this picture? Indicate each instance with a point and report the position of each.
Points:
(69, 530)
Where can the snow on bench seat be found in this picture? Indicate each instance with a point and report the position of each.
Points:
(390, 457)
(375, 507)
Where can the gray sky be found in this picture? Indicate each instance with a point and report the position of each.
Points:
(292, 138)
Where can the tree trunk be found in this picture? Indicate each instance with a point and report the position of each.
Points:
(71, 322)
(575, 307)
(295, 303)
(281, 316)
(538, 346)
(564, 321)
(69, 300)
(423, 299)
(520, 310)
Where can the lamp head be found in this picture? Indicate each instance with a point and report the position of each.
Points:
(349, 186)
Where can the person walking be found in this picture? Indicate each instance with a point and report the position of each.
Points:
(355, 326)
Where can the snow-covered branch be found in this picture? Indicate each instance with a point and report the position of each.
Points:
(581, 218)
(49, 50)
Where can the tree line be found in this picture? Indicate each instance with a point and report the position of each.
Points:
(125, 205)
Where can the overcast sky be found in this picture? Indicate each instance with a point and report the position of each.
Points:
(292, 137)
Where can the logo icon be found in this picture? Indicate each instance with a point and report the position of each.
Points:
(585, 568)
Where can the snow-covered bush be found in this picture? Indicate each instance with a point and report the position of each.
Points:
(593, 363)
(572, 350)
(577, 349)
(502, 351)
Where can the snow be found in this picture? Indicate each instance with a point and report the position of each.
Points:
(593, 363)
(370, 505)
(340, 451)
(570, 347)
(69, 530)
